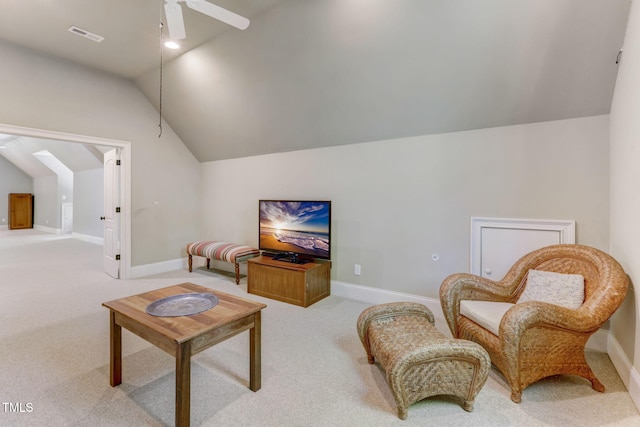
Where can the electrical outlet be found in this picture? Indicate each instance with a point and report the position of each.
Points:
(357, 270)
(4, 219)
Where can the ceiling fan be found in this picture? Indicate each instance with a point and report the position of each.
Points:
(173, 13)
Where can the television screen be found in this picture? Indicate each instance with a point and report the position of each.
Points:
(298, 227)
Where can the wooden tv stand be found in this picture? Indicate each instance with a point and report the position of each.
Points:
(299, 284)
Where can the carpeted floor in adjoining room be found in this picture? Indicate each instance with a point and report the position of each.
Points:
(54, 345)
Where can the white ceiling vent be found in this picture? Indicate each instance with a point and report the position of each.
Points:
(85, 33)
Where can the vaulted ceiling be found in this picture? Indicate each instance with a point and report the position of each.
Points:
(319, 73)
(131, 30)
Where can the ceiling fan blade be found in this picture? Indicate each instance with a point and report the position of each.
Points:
(173, 13)
(219, 13)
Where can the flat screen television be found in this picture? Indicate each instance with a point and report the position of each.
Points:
(295, 230)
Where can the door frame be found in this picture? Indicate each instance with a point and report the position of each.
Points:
(125, 179)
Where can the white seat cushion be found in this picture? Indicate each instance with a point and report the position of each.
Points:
(487, 314)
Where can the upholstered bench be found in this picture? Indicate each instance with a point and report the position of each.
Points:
(221, 251)
(418, 360)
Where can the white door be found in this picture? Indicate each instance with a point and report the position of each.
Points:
(502, 247)
(67, 217)
(111, 216)
(497, 243)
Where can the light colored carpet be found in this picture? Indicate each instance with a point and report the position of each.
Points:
(54, 344)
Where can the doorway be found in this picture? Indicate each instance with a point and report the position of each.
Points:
(125, 179)
(67, 217)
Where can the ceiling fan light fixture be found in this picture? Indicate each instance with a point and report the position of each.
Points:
(171, 45)
(175, 21)
(219, 13)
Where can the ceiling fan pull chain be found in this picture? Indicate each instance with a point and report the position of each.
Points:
(161, 61)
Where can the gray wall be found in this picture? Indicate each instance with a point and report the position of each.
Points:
(12, 180)
(46, 207)
(39, 92)
(397, 202)
(88, 206)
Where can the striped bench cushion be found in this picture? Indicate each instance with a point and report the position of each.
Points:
(222, 251)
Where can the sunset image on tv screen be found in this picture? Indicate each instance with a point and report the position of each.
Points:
(295, 226)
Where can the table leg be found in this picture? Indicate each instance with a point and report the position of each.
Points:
(255, 368)
(183, 384)
(115, 344)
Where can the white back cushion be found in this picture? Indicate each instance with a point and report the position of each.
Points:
(566, 290)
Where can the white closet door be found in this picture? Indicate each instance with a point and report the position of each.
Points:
(497, 243)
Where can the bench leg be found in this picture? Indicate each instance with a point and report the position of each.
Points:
(208, 263)
(190, 263)
(237, 273)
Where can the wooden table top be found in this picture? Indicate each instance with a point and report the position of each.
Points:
(183, 328)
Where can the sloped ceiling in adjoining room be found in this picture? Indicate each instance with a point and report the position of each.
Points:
(21, 156)
(316, 73)
(20, 150)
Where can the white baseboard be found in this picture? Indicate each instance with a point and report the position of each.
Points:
(620, 360)
(88, 238)
(180, 264)
(634, 388)
(382, 296)
(157, 268)
(48, 229)
(626, 371)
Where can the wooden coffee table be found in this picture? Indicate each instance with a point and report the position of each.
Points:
(185, 336)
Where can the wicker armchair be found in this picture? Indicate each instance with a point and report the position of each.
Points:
(537, 339)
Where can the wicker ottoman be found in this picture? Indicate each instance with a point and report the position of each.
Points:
(418, 360)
